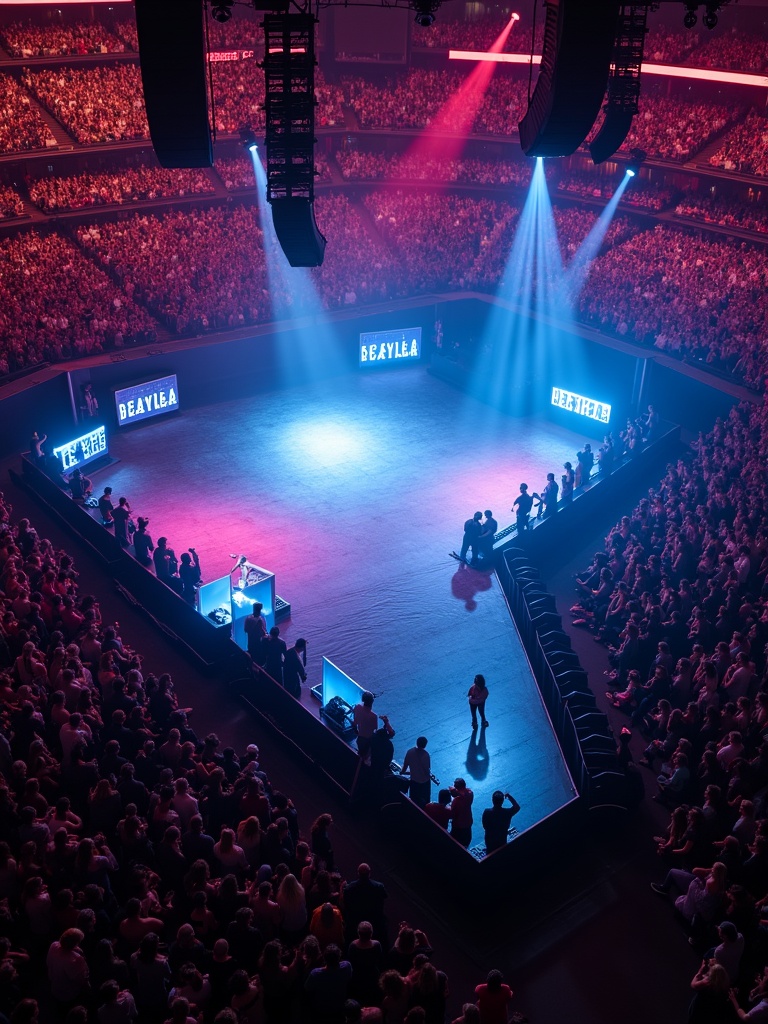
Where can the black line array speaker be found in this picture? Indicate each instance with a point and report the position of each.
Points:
(578, 45)
(172, 53)
(298, 233)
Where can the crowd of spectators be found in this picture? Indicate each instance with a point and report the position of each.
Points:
(423, 231)
(370, 166)
(195, 272)
(732, 50)
(11, 203)
(745, 148)
(415, 99)
(127, 31)
(21, 125)
(100, 104)
(124, 185)
(236, 172)
(673, 129)
(664, 45)
(215, 277)
(645, 195)
(239, 93)
(680, 596)
(57, 305)
(66, 39)
(692, 297)
(150, 872)
(748, 216)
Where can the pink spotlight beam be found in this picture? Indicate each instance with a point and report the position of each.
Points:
(457, 115)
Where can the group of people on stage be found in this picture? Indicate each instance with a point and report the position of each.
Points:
(453, 807)
(479, 535)
(286, 665)
(181, 574)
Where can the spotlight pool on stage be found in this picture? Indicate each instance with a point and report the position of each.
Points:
(353, 493)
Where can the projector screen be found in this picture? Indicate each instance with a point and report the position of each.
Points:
(142, 401)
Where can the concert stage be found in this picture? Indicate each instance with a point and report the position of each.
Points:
(353, 493)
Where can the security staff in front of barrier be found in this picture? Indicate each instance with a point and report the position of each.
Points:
(487, 537)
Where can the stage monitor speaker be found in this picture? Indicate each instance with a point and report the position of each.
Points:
(173, 55)
(578, 46)
(297, 231)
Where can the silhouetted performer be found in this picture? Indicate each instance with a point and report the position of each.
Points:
(255, 626)
(496, 820)
(488, 536)
(275, 650)
(568, 479)
(189, 574)
(294, 668)
(549, 495)
(522, 505)
(472, 531)
(142, 542)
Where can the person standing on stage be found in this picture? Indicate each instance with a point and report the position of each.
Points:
(586, 461)
(79, 486)
(36, 452)
(524, 505)
(189, 574)
(488, 536)
(568, 478)
(366, 720)
(295, 668)
(417, 763)
(142, 542)
(106, 507)
(120, 516)
(478, 695)
(255, 626)
(275, 649)
(496, 820)
(549, 495)
(472, 531)
(461, 812)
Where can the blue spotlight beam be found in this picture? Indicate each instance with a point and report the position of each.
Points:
(311, 352)
(578, 271)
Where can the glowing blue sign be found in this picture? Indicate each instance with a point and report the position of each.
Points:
(580, 405)
(390, 346)
(83, 449)
(152, 398)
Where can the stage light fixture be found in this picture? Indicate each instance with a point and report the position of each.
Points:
(710, 18)
(637, 158)
(248, 140)
(221, 10)
(425, 12)
(514, 17)
(691, 17)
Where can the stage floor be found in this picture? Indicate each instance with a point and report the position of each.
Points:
(353, 493)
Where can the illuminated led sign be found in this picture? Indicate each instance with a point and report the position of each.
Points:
(580, 405)
(383, 347)
(83, 449)
(224, 56)
(153, 398)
